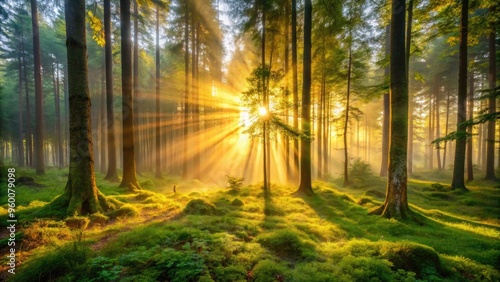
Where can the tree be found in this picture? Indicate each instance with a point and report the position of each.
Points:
(39, 129)
(81, 195)
(111, 173)
(458, 181)
(492, 76)
(396, 201)
(129, 178)
(295, 85)
(387, 108)
(157, 102)
(305, 143)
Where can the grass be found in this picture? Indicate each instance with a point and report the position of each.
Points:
(204, 233)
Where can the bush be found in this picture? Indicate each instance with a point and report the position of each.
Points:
(199, 207)
(360, 174)
(237, 203)
(234, 182)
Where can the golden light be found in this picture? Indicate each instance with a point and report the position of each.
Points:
(262, 111)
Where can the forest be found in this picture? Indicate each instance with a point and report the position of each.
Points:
(249, 140)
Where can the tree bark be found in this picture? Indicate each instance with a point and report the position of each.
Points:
(410, 101)
(470, 171)
(305, 143)
(185, 159)
(129, 178)
(20, 133)
(396, 202)
(39, 129)
(458, 181)
(387, 105)
(492, 75)
(446, 128)
(29, 138)
(81, 195)
(295, 86)
(111, 173)
(158, 152)
(346, 123)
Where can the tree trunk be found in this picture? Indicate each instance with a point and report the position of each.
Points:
(29, 138)
(129, 178)
(58, 133)
(185, 159)
(305, 143)
(396, 202)
(158, 152)
(39, 129)
(492, 76)
(437, 125)
(458, 181)
(295, 86)
(287, 88)
(20, 145)
(264, 94)
(111, 173)
(195, 25)
(410, 101)
(470, 171)
(446, 128)
(138, 134)
(102, 119)
(387, 104)
(81, 195)
(346, 123)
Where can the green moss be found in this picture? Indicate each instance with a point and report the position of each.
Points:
(287, 244)
(269, 271)
(126, 210)
(200, 207)
(77, 222)
(422, 260)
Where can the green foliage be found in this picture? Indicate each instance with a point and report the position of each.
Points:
(230, 273)
(54, 263)
(234, 182)
(237, 203)
(269, 271)
(361, 174)
(102, 269)
(199, 207)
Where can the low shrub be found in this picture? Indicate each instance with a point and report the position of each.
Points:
(234, 182)
(237, 203)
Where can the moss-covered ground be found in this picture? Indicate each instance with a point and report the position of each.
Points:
(204, 233)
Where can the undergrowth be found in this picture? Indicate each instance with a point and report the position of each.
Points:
(238, 235)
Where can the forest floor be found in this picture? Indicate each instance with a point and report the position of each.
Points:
(204, 233)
